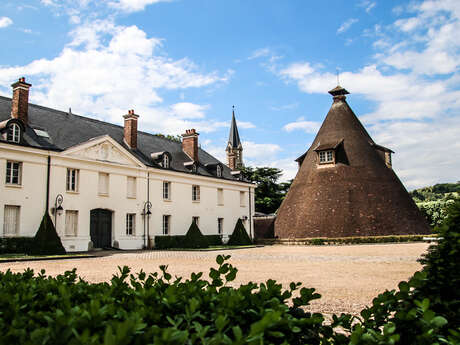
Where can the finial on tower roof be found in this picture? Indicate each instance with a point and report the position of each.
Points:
(338, 91)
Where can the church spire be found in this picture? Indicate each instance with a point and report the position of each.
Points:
(234, 147)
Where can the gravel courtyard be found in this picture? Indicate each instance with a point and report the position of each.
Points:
(347, 277)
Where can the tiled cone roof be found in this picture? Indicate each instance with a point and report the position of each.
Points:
(234, 137)
(358, 196)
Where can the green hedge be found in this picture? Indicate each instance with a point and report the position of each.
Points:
(15, 245)
(179, 241)
(46, 240)
(348, 240)
(239, 237)
(194, 238)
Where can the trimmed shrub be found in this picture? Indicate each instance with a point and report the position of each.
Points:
(15, 245)
(166, 242)
(46, 240)
(239, 237)
(214, 240)
(194, 238)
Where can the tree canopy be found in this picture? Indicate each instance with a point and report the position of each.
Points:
(269, 192)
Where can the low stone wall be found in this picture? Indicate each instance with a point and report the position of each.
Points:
(264, 227)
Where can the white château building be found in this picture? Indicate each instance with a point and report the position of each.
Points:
(109, 186)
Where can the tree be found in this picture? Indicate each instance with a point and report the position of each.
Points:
(269, 192)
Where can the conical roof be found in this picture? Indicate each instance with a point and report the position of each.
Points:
(234, 137)
(357, 195)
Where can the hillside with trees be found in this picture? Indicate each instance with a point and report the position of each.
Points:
(433, 200)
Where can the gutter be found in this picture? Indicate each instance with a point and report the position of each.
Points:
(47, 203)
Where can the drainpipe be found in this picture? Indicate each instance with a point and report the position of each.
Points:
(148, 200)
(250, 214)
(48, 184)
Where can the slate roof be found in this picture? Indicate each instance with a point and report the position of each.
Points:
(67, 129)
(234, 137)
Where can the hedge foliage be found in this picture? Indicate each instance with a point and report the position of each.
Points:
(46, 240)
(348, 240)
(194, 238)
(239, 237)
(179, 241)
(15, 245)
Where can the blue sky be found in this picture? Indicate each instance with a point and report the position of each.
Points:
(183, 63)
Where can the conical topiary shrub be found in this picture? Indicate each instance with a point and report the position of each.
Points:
(239, 237)
(46, 240)
(194, 238)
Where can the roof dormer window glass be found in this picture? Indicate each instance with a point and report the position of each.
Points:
(14, 133)
(326, 156)
(219, 171)
(165, 161)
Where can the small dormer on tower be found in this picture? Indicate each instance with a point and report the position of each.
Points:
(234, 148)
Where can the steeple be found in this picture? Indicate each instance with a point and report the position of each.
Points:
(234, 147)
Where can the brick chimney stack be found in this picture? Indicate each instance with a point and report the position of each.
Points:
(190, 143)
(20, 102)
(131, 129)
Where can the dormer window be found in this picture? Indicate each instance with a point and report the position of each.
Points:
(194, 168)
(326, 156)
(165, 162)
(14, 133)
(218, 170)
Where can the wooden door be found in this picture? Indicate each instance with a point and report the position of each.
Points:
(101, 228)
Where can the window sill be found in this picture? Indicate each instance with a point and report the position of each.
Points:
(103, 194)
(242, 205)
(220, 204)
(196, 201)
(167, 200)
(131, 197)
(13, 185)
(72, 192)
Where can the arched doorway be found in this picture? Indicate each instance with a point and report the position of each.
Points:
(101, 228)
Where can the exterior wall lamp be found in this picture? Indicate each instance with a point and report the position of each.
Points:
(57, 209)
(146, 213)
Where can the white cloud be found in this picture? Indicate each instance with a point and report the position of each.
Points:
(307, 126)
(133, 5)
(367, 5)
(346, 25)
(5, 21)
(263, 152)
(262, 52)
(107, 69)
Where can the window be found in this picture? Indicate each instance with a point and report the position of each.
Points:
(242, 199)
(196, 220)
(103, 184)
(166, 224)
(71, 223)
(220, 226)
(72, 180)
(131, 187)
(219, 170)
(166, 190)
(326, 157)
(13, 172)
(194, 168)
(195, 193)
(11, 220)
(130, 224)
(220, 196)
(14, 133)
(165, 161)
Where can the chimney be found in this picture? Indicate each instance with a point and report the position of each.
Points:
(190, 144)
(20, 102)
(131, 129)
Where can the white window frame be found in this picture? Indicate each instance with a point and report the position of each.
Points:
(72, 179)
(68, 231)
(196, 219)
(130, 224)
(107, 186)
(166, 190)
(166, 224)
(14, 133)
(165, 161)
(11, 168)
(242, 199)
(196, 193)
(326, 156)
(219, 170)
(16, 221)
(220, 226)
(131, 187)
(220, 196)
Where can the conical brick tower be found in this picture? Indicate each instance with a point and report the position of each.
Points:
(345, 185)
